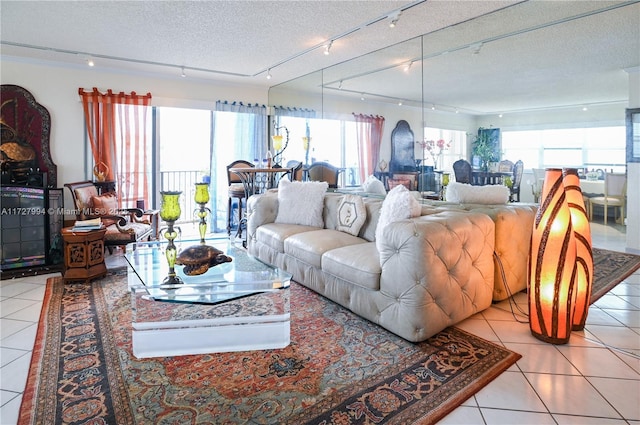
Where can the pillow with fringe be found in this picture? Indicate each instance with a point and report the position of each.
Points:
(352, 214)
(301, 202)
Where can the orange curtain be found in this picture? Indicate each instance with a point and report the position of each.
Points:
(117, 125)
(369, 137)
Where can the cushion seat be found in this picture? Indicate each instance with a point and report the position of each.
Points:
(310, 246)
(357, 264)
(274, 234)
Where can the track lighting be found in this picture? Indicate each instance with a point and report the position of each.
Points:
(269, 74)
(340, 85)
(328, 47)
(476, 48)
(407, 67)
(394, 19)
(183, 75)
(90, 62)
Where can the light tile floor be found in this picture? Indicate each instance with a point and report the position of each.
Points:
(594, 379)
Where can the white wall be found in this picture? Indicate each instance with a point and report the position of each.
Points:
(56, 88)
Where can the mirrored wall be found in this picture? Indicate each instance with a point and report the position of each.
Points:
(521, 66)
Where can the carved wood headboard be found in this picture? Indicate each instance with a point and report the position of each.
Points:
(25, 127)
(402, 148)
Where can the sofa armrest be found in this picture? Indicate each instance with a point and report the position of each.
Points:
(261, 209)
(436, 271)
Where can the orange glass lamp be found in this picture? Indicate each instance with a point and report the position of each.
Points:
(279, 146)
(552, 264)
(584, 253)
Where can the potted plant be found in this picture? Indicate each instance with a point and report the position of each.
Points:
(484, 149)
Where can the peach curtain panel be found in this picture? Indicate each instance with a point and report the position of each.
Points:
(369, 136)
(117, 127)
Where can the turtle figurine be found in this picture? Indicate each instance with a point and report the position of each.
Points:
(197, 259)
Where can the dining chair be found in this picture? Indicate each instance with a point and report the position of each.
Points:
(615, 192)
(518, 169)
(236, 191)
(324, 172)
(462, 171)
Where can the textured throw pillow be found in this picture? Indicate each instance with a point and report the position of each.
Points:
(466, 194)
(106, 204)
(352, 214)
(399, 204)
(373, 185)
(301, 202)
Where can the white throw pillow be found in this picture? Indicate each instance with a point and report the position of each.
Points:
(301, 202)
(466, 194)
(399, 204)
(373, 185)
(352, 214)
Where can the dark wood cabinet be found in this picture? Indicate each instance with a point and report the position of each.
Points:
(31, 222)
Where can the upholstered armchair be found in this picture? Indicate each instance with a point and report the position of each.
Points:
(123, 225)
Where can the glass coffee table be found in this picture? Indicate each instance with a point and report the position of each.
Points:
(236, 306)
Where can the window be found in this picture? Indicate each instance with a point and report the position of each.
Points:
(457, 146)
(591, 148)
(332, 141)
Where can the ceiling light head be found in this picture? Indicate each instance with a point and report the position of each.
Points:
(90, 62)
(407, 67)
(327, 47)
(585, 108)
(476, 48)
(182, 74)
(340, 85)
(268, 74)
(394, 19)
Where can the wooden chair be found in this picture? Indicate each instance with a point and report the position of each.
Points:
(324, 172)
(298, 173)
(518, 169)
(462, 171)
(123, 225)
(505, 166)
(615, 192)
(236, 191)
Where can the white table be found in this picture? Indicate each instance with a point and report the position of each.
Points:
(237, 306)
(592, 187)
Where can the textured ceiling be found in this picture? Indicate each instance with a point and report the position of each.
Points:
(579, 59)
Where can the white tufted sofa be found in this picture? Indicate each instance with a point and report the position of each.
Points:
(432, 271)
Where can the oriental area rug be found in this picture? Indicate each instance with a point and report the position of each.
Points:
(609, 269)
(338, 369)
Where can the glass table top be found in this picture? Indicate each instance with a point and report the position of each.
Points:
(245, 275)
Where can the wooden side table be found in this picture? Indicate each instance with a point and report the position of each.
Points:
(83, 255)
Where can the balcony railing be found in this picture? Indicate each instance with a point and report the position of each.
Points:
(184, 181)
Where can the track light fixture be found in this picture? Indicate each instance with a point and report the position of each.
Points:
(90, 62)
(269, 74)
(183, 75)
(407, 67)
(340, 85)
(394, 19)
(327, 47)
(476, 48)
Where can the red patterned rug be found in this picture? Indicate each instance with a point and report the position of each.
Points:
(338, 369)
(609, 269)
